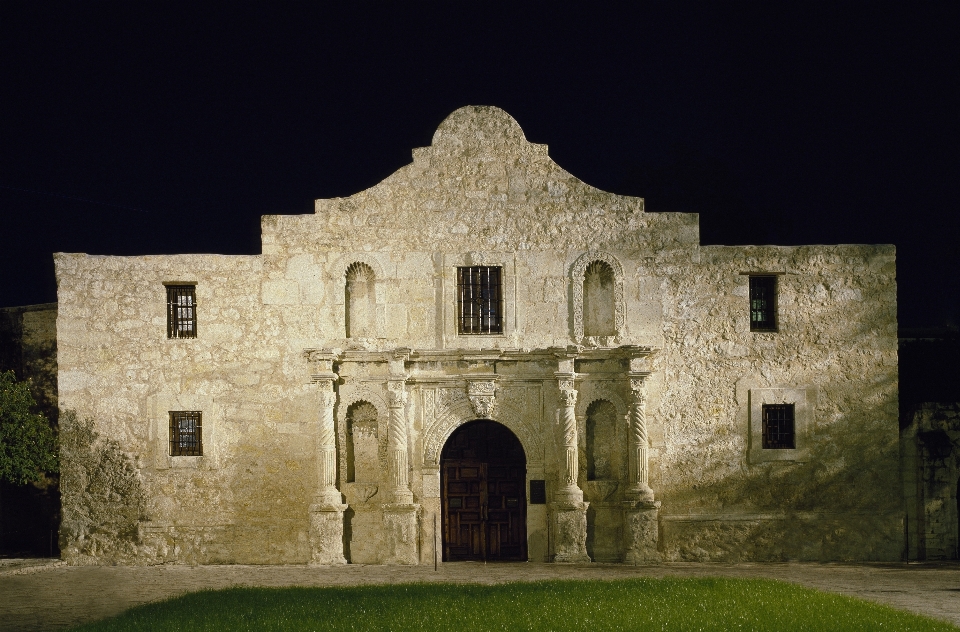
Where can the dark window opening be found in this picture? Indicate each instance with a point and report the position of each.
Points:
(479, 300)
(778, 427)
(185, 433)
(538, 492)
(763, 303)
(181, 311)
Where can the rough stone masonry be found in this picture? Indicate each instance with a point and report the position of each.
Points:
(481, 357)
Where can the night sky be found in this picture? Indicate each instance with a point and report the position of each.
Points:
(127, 129)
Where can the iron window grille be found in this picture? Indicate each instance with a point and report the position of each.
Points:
(185, 433)
(479, 300)
(763, 303)
(181, 311)
(778, 427)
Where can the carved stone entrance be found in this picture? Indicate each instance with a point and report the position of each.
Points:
(484, 504)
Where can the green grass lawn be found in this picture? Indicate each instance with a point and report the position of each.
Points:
(638, 604)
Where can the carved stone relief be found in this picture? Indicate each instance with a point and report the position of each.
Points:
(447, 408)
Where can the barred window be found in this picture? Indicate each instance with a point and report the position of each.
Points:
(479, 300)
(778, 427)
(181, 311)
(185, 433)
(763, 303)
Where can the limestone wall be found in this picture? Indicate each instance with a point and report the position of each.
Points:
(835, 354)
(246, 498)
(482, 195)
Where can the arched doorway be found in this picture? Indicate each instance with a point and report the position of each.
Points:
(483, 494)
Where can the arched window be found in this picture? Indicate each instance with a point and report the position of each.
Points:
(362, 443)
(360, 305)
(598, 300)
(602, 447)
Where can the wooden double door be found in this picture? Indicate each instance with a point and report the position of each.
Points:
(484, 505)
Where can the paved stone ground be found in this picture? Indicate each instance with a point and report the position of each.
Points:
(46, 595)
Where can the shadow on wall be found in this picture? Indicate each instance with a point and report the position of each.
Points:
(841, 502)
(102, 495)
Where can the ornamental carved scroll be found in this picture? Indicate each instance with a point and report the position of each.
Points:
(482, 395)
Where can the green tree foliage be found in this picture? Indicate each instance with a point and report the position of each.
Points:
(28, 445)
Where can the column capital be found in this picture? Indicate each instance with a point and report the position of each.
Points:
(397, 392)
(638, 387)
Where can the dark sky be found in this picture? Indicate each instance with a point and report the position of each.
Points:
(127, 129)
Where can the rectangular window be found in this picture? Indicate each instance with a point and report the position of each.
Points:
(185, 433)
(763, 303)
(479, 300)
(778, 427)
(181, 311)
(538, 492)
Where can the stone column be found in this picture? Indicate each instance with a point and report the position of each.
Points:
(399, 512)
(569, 450)
(326, 511)
(399, 473)
(639, 488)
(569, 510)
(640, 510)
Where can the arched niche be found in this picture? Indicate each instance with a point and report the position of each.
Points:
(598, 306)
(360, 301)
(602, 441)
(348, 270)
(362, 445)
(352, 400)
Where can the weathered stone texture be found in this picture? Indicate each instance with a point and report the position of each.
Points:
(661, 314)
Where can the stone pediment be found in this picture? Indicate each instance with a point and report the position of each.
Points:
(480, 185)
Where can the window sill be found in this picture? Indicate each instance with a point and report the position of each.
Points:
(761, 455)
(185, 462)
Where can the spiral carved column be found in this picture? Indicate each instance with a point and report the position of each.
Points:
(640, 510)
(400, 524)
(639, 470)
(569, 510)
(569, 451)
(326, 511)
(397, 443)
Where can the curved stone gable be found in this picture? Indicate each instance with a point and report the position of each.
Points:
(481, 185)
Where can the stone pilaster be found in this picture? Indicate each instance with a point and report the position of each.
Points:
(326, 510)
(568, 508)
(641, 529)
(400, 526)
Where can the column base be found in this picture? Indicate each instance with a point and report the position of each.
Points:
(326, 535)
(641, 492)
(641, 531)
(570, 532)
(400, 534)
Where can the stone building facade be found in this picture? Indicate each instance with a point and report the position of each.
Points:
(483, 357)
